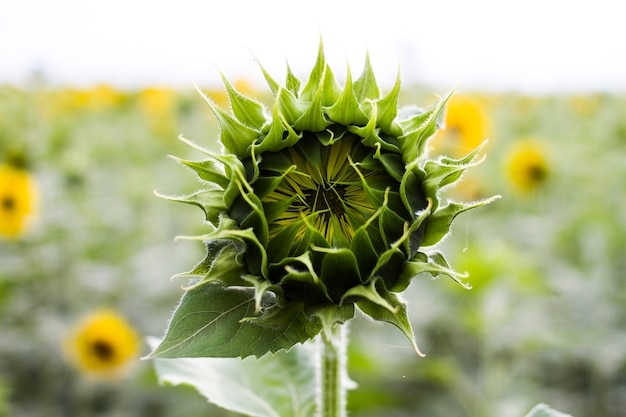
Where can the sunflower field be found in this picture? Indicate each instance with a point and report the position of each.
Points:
(87, 250)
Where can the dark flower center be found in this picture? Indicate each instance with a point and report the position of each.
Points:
(536, 172)
(7, 203)
(103, 350)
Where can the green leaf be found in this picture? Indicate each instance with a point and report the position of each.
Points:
(213, 321)
(280, 385)
(543, 410)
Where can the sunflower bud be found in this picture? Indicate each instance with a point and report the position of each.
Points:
(324, 203)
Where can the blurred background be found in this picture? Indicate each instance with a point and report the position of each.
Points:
(94, 94)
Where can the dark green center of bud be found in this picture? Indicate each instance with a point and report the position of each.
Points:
(327, 201)
(324, 186)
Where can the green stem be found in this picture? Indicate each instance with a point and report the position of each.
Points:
(331, 380)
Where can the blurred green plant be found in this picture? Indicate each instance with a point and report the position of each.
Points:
(545, 319)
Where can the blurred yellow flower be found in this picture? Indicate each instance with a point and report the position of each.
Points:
(156, 102)
(18, 201)
(70, 101)
(527, 165)
(98, 97)
(245, 87)
(466, 126)
(102, 345)
(158, 105)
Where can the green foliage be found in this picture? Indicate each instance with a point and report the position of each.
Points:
(280, 385)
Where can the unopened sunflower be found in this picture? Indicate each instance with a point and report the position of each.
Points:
(102, 345)
(324, 203)
(18, 201)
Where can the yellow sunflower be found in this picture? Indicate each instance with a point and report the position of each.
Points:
(18, 201)
(527, 165)
(102, 345)
(466, 126)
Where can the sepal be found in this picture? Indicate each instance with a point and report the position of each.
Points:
(321, 82)
(210, 201)
(378, 307)
(234, 135)
(365, 87)
(444, 172)
(247, 110)
(347, 110)
(413, 142)
(439, 223)
(388, 110)
(434, 264)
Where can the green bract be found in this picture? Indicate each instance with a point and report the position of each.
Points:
(324, 202)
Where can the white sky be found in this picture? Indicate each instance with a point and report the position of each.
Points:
(532, 45)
